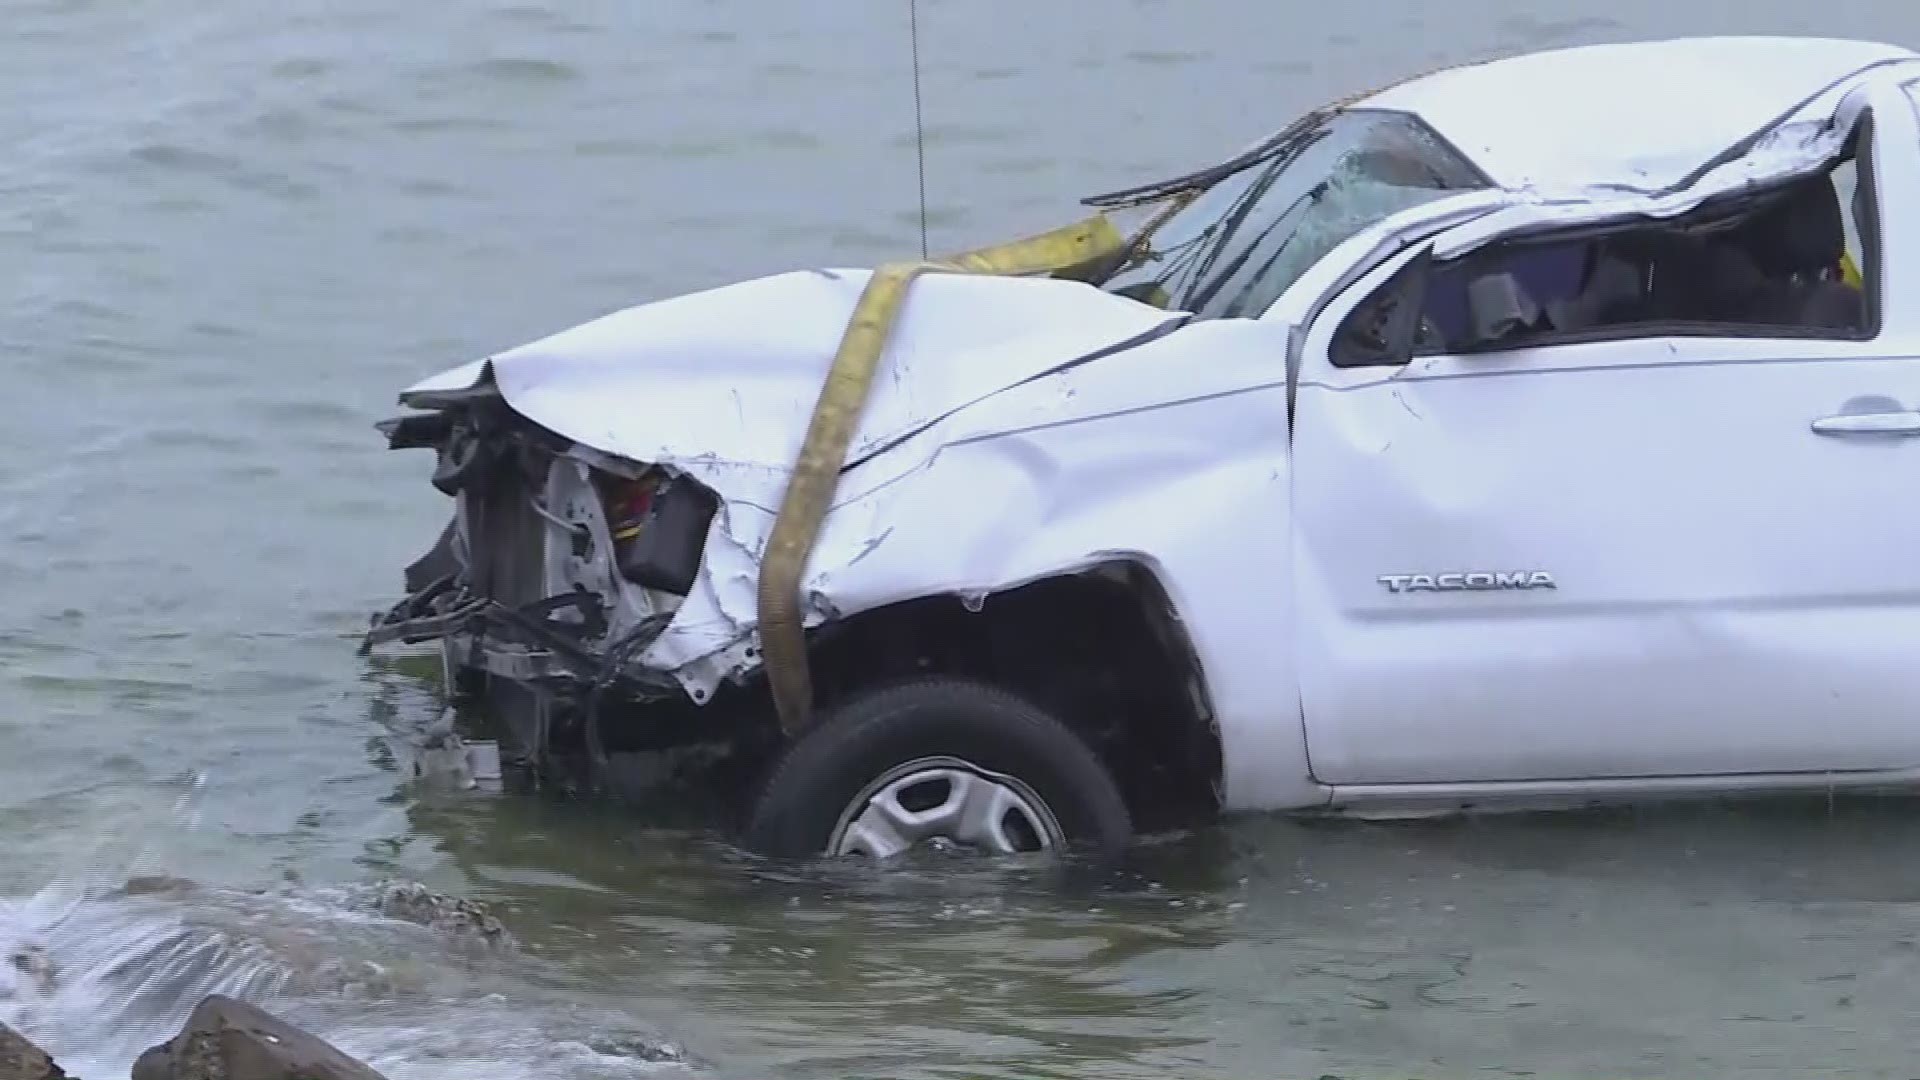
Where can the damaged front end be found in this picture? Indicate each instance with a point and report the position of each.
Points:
(565, 563)
(559, 565)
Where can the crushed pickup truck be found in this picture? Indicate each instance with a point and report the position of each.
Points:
(1532, 432)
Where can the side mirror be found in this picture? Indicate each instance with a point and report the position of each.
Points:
(1403, 327)
(1381, 331)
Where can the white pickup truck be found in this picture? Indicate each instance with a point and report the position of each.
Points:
(1535, 432)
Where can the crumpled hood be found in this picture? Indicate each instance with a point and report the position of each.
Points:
(729, 376)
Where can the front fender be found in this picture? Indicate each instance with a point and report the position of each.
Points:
(1173, 455)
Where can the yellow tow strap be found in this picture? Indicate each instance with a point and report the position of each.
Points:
(836, 415)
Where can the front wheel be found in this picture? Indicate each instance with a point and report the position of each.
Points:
(938, 762)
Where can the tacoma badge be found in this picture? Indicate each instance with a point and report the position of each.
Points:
(1475, 582)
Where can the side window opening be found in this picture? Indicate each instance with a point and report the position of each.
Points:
(1794, 261)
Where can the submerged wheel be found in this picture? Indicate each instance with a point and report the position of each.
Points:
(938, 761)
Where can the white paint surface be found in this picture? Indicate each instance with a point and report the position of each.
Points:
(1639, 114)
(1738, 598)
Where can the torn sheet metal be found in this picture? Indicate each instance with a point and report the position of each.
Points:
(1638, 115)
(728, 376)
(720, 384)
(1797, 150)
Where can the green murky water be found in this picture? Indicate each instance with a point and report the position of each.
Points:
(229, 232)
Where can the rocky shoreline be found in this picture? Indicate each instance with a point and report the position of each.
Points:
(224, 1039)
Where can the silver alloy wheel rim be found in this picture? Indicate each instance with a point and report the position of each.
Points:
(979, 809)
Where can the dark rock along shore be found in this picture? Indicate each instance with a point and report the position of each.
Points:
(21, 1060)
(228, 1039)
(224, 1039)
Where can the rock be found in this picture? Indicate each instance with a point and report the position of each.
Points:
(21, 1060)
(416, 903)
(152, 884)
(637, 1048)
(226, 1039)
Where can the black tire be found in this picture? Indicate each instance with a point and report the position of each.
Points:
(820, 776)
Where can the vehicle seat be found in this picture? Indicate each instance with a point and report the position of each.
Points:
(1802, 235)
(1658, 275)
(1798, 245)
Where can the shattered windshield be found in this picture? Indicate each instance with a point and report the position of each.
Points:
(1250, 233)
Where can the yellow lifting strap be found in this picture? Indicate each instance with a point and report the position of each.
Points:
(836, 416)
(1850, 271)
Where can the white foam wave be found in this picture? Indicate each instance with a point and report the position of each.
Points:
(98, 975)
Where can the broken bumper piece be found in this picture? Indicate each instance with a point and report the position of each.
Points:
(526, 644)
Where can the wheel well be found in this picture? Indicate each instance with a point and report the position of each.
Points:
(1102, 649)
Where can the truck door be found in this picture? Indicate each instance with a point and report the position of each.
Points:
(1661, 545)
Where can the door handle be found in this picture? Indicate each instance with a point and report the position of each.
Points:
(1894, 424)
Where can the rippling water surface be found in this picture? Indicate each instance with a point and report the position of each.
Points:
(229, 232)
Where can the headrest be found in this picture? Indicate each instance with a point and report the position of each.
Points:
(1804, 231)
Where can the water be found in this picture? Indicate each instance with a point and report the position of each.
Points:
(229, 232)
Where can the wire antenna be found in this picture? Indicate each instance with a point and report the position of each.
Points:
(919, 124)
